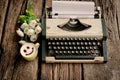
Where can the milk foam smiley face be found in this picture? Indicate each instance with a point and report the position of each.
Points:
(29, 51)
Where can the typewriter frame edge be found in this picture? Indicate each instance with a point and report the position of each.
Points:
(102, 59)
(104, 40)
(43, 22)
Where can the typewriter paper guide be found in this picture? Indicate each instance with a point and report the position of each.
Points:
(73, 9)
(54, 31)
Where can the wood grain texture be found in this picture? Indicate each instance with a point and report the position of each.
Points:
(12, 65)
(9, 44)
(110, 70)
(46, 72)
(3, 10)
(29, 70)
(75, 72)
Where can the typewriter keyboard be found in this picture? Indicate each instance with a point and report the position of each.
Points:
(74, 48)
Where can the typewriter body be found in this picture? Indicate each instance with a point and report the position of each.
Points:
(73, 32)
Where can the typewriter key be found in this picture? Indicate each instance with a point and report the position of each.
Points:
(98, 43)
(74, 47)
(63, 38)
(96, 39)
(58, 47)
(91, 39)
(86, 43)
(78, 47)
(66, 47)
(88, 52)
(57, 43)
(72, 52)
(66, 43)
(80, 39)
(73, 43)
(51, 39)
(83, 39)
(82, 43)
(64, 51)
(49, 43)
(81, 52)
(87, 39)
(60, 52)
(78, 43)
(56, 52)
(55, 39)
(85, 52)
(71, 39)
(50, 47)
(54, 47)
(61, 43)
(68, 38)
(69, 52)
(94, 43)
(77, 52)
(90, 43)
(71, 47)
(51, 52)
(91, 47)
(60, 38)
(53, 43)
(76, 39)
(69, 43)
(86, 47)
(62, 47)
(94, 47)
(82, 47)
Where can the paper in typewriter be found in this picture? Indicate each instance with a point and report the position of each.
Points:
(71, 9)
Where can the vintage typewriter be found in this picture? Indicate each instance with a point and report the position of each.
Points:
(73, 32)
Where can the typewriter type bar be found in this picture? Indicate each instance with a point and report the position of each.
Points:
(74, 44)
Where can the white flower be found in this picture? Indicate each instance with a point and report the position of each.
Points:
(24, 25)
(38, 29)
(33, 38)
(22, 42)
(26, 30)
(30, 32)
(38, 20)
(20, 33)
(32, 23)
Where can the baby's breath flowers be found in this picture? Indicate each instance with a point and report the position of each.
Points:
(24, 25)
(30, 26)
(20, 33)
(38, 29)
(32, 23)
(31, 30)
(33, 37)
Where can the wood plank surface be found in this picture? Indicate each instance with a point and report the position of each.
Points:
(3, 10)
(12, 65)
(110, 70)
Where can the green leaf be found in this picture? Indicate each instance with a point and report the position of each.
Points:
(29, 15)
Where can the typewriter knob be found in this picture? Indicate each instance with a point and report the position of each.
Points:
(73, 21)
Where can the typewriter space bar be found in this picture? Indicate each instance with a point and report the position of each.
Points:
(74, 57)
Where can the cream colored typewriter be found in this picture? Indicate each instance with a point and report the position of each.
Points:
(73, 32)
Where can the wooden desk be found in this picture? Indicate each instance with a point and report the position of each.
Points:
(14, 67)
